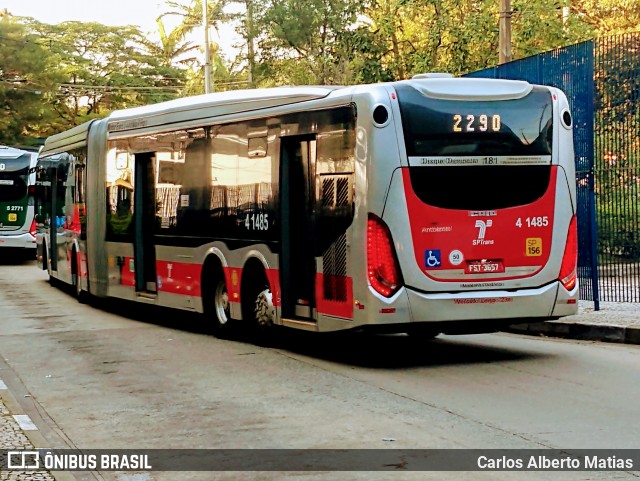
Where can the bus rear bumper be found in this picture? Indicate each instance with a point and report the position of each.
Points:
(540, 303)
(19, 241)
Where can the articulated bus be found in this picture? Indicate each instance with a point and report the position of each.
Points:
(430, 205)
(17, 178)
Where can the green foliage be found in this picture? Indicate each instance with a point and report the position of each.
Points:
(306, 41)
(106, 68)
(27, 85)
(617, 145)
(618, 215)
(84, 70)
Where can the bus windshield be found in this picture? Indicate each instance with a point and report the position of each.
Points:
(14, 174)
(438, 127)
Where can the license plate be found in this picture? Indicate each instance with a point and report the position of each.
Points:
(484, 267)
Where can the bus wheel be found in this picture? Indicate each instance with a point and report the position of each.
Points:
(263, 319)
(258, 312)
(215, 299)
(265, 313)
(221, 306)
(75, 277)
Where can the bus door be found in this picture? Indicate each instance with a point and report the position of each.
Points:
(57, 237)
(297, 262)
(144, 223)
(53, 219)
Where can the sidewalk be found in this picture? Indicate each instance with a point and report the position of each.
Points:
(13, 437)
(614, 322)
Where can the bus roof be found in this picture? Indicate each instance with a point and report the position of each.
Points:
(470, 88)
(212, 105)
(69, 139)
(9, 153)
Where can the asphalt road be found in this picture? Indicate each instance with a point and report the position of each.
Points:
(117, 377)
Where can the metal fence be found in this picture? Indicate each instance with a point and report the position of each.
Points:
(601, 78)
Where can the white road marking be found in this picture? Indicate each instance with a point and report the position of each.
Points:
(133, 477)
(25, 422)
(2, 385)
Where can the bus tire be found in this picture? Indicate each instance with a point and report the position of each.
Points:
(217, 308)
(45, 259)
(258, 312)
(221, 306)
(75, 276)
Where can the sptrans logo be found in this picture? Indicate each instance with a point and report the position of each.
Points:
(482, 232)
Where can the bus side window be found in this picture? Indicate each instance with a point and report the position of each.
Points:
(121, 213)
(335, 188)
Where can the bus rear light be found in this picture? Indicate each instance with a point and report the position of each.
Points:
(382, 265)
(33, 229)
(569, 268)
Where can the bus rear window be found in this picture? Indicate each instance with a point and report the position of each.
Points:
(480, 188)
(438, 127)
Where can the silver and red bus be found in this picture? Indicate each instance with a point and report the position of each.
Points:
(17, 179)
(428, 205)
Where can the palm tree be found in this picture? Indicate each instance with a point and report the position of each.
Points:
(192, 15)
(172, 48)
(191, 20)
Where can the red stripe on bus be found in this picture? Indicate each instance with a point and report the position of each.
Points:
(330, 306)
(179, 278)
(185, 279)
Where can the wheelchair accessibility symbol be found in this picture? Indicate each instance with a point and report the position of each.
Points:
(432, 259)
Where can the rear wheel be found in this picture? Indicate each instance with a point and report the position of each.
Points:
(75, 279)
(264, 312)
(258, 311)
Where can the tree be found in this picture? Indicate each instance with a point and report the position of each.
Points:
(172, 49)
(305, 41)
(606, 16)
(105, 68)
(226, 75)
(27, 84)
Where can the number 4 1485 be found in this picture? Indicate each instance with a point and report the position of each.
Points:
(542, 221)
(257, 222)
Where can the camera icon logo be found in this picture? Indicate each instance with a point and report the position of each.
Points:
(23, 460)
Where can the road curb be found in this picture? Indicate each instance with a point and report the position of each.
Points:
(15, 407)
(578, 331)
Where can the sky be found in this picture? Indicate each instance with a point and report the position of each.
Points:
(142, 13)
(109, 12)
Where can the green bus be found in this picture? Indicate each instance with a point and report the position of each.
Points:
(17, 190)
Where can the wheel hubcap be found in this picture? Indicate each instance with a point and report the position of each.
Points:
(222, 303)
